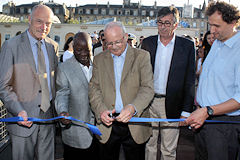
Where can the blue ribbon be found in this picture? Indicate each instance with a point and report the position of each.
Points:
(135, 119)
(95, 130)
(92, 128)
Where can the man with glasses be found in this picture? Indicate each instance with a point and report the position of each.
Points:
(121, 87)
(173, 63)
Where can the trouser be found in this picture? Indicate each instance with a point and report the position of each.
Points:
(168, 132)
(121, 136)
(218, 141)
(39, 145)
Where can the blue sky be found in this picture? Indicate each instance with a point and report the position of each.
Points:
(179, 3)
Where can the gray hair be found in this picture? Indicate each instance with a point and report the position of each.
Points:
(114, 24)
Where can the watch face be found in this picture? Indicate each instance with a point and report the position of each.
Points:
(209, 111)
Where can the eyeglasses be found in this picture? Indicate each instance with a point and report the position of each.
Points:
(166, 23)
(117, 43)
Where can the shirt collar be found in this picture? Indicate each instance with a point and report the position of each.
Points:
(32, 40)
(123, 55)
(231, 41)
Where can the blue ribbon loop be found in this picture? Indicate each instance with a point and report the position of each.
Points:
(92, 128)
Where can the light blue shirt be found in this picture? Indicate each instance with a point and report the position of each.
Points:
(118, 63)
(220, 77)
(33, 43)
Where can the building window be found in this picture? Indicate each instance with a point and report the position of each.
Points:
(95, 11)
(135, 13)
(104, 11)
(151, 13)
(143, 13)
(119, 12)
(202, 24)
(22, 10)
(88, 11)
(111, 12)
(7, 37)
(194, 25)
(202, 15)
(57, 11)
(80, 11)
(57, 39)
(127, 12)
(29, 10)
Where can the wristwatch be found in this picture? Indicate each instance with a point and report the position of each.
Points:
(209, 111)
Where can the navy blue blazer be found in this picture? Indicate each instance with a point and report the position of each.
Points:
(181, 78)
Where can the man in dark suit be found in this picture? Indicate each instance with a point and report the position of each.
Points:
(172, 59)
(27, 86)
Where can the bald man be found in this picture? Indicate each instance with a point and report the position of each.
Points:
(28, 90)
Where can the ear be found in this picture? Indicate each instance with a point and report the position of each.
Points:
(175, 25)
(29, 19)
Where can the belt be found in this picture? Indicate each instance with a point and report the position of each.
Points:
(156, 95)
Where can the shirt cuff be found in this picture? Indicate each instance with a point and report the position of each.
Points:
(134, 108)
(185, 114)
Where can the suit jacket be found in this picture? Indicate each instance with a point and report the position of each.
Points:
(19, 82)
(72, 97)
(181, 78)
(136, 88)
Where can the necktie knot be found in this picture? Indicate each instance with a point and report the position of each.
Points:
(39, 43)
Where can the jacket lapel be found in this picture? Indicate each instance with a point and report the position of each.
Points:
(128, 63)
(26, 49)
(50, 49)
(78, 69)
(108, 61)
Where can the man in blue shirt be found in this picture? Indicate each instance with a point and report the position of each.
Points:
(218, 93)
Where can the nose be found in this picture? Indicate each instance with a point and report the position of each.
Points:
(212, 29)
(44, 26)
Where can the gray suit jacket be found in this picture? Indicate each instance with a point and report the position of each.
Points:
(72, 97)
(19, 83)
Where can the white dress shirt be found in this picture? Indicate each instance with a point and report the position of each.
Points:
(87, 71)
(162, 65)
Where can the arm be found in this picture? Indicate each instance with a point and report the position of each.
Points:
(96, 98)
(7, 94)
(62, 94)
(189, 84)
(198, 117)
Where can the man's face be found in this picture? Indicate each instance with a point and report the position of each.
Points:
(220, 29)
(166, 25)
(82, 52)
(116, 40)
(40, 23)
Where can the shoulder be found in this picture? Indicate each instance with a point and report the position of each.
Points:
(184, 40)
(139, 53)
(150, 38)
(49, 40)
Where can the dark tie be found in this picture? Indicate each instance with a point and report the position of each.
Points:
(45, 102)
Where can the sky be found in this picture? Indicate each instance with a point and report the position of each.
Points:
(178, 3)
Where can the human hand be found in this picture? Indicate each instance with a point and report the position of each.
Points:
(105, 118)
(63, 120)
(126, 114)
(197, 118)
(24, 115)
(183, 123)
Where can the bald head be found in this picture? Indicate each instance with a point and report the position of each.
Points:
(40, 21)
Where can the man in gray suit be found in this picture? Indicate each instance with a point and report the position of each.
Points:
(22, 90)
(72, 99)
